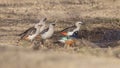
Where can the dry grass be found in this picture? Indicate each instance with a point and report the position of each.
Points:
(14, 57)
(101, 16)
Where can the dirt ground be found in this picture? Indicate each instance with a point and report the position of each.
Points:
(14, 57)
(101, 17)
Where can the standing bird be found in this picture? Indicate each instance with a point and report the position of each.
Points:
(44, 35)
(70, 35)
(47, 33)
(72, 31)
(33, 32)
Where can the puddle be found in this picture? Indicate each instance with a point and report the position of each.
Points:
(101, 36)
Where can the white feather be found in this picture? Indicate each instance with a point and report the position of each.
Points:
(49, 33)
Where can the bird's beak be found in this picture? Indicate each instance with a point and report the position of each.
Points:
(64, 33)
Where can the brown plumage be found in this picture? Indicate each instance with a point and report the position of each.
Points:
(33, 32)
(29, 31)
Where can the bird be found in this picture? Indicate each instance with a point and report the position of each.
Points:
(43, 22)
(44, 35)
(70, 36)
(48, 33)
(33, 32)
(74, 31)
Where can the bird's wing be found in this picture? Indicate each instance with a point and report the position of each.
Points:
(68, 29)
(45, 30)
(29, 31)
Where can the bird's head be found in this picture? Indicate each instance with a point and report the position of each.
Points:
(54, 23)
(42, 21)
(38, 25)
(79, 23)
